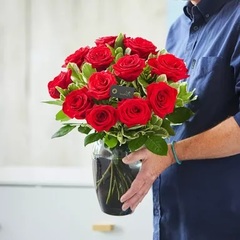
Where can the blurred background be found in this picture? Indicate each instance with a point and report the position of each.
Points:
(35, 38)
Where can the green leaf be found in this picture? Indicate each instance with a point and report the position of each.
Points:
(76, 74)
(88, 70)
(163, 51)
(121, 138)
(194, 96)
(157, 145)
(63, 92)
(179, 103)
(61, 116)
(119, 50)
(155, 120)
(84, 128)
(72, 87)
(167, 125)
(93, 137)
(113, 133)
(184, 94)
(175, 85)
(143, 83)
(119, 41)
(162, 132)
(137, 143)
(55, 102)
(130, 134)
(162, 78)
(110, 141)
(132, 128)
(119, 55)
(64, 130)
(180, 115)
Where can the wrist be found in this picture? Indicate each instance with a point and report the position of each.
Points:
(170, 155)
(174, 153)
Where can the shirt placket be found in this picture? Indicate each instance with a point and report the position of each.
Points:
(194, 30)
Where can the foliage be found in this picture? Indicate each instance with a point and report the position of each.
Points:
(122, 91)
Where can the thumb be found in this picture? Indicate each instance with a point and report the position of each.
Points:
(128, 159)
(135, 156)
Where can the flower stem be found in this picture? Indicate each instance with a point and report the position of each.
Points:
(103, 176)
(110, 184)
(119, 176)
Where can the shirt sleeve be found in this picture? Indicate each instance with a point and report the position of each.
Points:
(235, 63)
(237, 118)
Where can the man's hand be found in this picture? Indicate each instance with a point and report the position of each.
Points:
(152, 166)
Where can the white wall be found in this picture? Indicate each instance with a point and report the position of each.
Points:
(35, 38)
(174, 9)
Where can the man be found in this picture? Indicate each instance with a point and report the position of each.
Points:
(200, 199)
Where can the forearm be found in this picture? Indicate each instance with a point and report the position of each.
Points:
(220, 141)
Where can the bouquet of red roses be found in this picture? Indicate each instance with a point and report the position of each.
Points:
(125, 90)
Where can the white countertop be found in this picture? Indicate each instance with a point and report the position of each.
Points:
(51, 176)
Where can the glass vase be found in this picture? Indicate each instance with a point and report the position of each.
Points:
(112, 178)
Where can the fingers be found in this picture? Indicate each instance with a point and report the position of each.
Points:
(136, 186)
(152, 166)
(136, 193)
(133, 202)
(140, 186)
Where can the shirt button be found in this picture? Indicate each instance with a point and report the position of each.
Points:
(193, 63)
(207, 15)
(156, 211)
(195, 28)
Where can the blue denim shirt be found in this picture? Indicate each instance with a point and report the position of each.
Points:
(200, 200)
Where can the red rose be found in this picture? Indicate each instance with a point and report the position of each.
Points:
(77, 57)
(109, 40)
(140, 46)
(162, 98)
(129, 67)
(99, 85)
(134, 111)
(100, 57)
(77, 103)
(174, 68)
(102, 117)
(62, 81)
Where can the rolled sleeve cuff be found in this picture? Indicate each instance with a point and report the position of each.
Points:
(237, 118)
